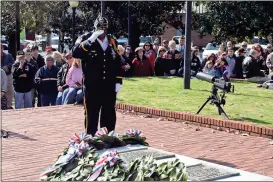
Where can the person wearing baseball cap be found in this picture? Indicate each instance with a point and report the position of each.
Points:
(6, 64)
(23, 76)
(101, 65)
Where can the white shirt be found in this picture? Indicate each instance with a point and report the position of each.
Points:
(104, 43)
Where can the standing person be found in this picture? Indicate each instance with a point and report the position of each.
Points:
(159, 62)
(141, 64)
(181, 46)
(58, 58)
(6, 64)
(23, 76)
(231, 61)
(238, 69)
(230, 45)
(37, 57)
(61, 82)
(165, 44)
(129, 56)
(243, 46)
(156, 46)
(172, 59)
(124, 62)
(46, 80)
(102, 79)
(4, 90)
(220, 51)
(150, 54)
(40, 62)
(33, 63)
(74, 83)
(48, 50)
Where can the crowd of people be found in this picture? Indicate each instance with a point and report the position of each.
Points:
(254, 64)
(56, 79)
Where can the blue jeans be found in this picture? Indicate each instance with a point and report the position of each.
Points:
(73, 95)
(23, 100)
(61, 96)
(48, 99)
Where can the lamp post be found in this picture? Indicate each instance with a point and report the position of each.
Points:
(129, 25)
(73, 5)
(187, 56)
(17, 9)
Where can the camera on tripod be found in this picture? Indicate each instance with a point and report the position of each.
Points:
(215, 98)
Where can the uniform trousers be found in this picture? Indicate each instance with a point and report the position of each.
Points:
(99, 102)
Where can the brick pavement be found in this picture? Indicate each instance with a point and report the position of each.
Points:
(38, 136)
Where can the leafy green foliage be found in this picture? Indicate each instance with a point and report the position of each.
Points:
(147, 17)
(78, 169)
(235, 19)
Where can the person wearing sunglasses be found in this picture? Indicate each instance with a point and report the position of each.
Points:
(150, 53)
(61, 82)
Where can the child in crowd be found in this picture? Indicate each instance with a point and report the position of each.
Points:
(222, 69)
(208, 69)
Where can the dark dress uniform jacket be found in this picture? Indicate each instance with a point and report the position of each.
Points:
(101, 71)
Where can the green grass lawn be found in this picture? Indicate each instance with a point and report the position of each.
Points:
(247, 103)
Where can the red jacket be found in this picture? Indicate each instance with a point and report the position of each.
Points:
(142, 68)
(151, 56)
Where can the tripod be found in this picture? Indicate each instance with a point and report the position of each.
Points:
(217, 101)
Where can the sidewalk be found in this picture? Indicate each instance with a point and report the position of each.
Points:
(38, 135)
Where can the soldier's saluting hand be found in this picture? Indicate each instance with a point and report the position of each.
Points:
(102, 79)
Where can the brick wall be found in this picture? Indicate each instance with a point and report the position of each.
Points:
(197, 41)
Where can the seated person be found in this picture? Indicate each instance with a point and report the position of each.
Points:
(195, 62)
(251, 68)
(74, 81)
(221, 69)
(208, 69)
(61, 82)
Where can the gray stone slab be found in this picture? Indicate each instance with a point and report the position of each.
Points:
(126, 148)
(206, 173)
(132, 155)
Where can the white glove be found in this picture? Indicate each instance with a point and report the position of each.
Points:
(118, 87)
(95, 35)
(172, 72)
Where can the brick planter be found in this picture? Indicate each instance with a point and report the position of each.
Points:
(219, 124)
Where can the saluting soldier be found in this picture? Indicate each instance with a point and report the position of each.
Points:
(102, 79)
